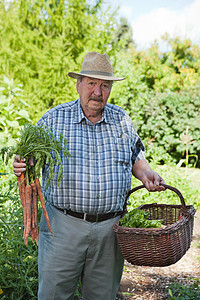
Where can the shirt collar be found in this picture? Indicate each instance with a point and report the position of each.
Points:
(79, 115)
(107, 116)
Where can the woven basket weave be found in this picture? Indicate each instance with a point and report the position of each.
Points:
(158, 247)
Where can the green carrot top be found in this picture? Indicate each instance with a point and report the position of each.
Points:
(40, 144)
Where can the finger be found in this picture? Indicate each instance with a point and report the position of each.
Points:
(159, 188)
(31, 162)
(18, 171)
(150, 186)
(159, 184)
(19, 165)
(16, 158)
(17, 174)
(157, 179)
(162, 182)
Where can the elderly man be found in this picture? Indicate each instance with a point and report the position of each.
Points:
(105, 151)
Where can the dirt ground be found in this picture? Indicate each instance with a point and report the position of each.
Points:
(152, 283)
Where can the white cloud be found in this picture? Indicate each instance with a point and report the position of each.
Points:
(126, 11)
(151, 26)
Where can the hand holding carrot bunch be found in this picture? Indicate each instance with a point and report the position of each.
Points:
(36, 144)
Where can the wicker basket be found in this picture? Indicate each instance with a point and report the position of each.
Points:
(158, 247)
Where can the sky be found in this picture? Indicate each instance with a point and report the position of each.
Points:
(150, 19)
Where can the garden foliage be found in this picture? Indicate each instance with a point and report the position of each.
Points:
(40, 42)
(160, 115)
(13, 111)
(18, 263)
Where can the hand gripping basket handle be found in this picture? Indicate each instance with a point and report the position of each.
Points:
(184, 209)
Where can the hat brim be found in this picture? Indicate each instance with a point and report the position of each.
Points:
(111, 78)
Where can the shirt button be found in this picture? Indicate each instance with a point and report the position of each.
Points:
(98, 196)
(98, 177)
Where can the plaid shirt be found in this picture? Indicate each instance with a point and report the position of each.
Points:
(97, 176)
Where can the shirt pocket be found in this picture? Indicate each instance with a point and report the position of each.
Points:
(123, 151)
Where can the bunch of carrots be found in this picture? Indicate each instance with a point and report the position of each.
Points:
(29, 194)
(41, 145)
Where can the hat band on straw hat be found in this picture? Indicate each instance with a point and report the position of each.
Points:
(101, 73)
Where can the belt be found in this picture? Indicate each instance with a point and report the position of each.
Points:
(89, 217)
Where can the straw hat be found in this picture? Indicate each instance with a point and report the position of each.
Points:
(96, 65)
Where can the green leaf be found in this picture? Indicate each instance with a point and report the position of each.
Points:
(2, 118)
(7, 81)
(3, 99)
(12, 123)
(9, 108)
(24, 103)
(24, 114)
(17, 89)
(182, 161)
(170, 292)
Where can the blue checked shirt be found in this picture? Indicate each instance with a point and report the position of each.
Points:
(97, 176)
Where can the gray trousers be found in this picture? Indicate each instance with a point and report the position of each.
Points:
(78, 250)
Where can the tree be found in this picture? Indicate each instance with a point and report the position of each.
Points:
(41, 41)
(124, 33)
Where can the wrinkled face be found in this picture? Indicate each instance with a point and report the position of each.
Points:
(93, 94)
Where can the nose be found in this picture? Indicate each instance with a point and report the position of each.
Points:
(97, 90)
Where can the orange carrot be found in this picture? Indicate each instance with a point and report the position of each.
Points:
(28, 211)
(32, 214)
(23, 196)
(34, 231)
(39, 190)
(33, 234)
(20, 189)
(34, 201)
(37, 235)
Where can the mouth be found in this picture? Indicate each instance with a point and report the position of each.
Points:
(96, 99)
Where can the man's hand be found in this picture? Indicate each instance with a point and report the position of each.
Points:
(19, 166)
(152, 180)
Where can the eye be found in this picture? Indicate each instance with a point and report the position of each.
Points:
(105, 86)
(91, 83)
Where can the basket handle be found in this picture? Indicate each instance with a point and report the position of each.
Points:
(166, 186)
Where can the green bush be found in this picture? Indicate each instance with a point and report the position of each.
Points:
(41, 41)
(163, 120)
(18, 271)
(183, 292)
(13, 111)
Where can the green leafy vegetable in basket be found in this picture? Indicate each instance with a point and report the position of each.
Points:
(40, 144)
(138, 218)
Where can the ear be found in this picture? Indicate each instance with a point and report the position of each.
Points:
(78, 82)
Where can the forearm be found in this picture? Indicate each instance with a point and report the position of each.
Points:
(140, 168)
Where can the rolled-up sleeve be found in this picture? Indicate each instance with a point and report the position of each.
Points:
(138, 150)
